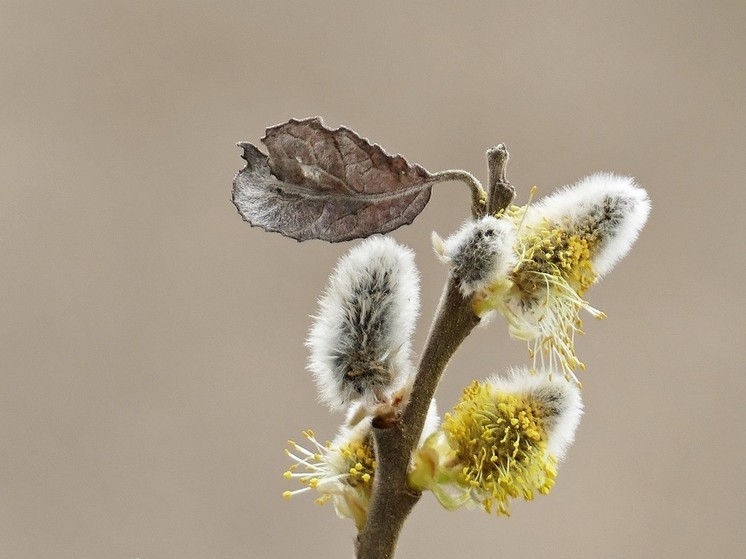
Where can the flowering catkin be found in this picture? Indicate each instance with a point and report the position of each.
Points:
(360, 338)
(342, 471)
(608, 210)
(565, 243)
(503, 440)
(479, 253)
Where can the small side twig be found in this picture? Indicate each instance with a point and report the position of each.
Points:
(501, 193)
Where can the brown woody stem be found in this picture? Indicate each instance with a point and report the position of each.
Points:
(392, 499)
(501, 192)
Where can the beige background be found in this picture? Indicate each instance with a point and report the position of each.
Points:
(151, 344)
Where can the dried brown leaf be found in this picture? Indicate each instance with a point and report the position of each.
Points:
(330, 184)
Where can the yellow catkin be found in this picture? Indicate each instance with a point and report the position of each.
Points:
(362, 458)
(542, 296)
(563, 253)
(500, 442)
(352, 464)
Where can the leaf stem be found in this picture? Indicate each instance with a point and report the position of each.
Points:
(478, 194)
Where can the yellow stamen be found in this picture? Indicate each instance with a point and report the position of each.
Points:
(500, 442)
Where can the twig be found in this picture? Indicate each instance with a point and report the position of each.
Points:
(501, 193)
(392, 499)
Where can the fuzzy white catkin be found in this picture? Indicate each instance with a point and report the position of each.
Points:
(360, 339)
(478, 253)
(613, 206)
(561, 400)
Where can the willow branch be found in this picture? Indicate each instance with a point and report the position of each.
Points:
(392, 499)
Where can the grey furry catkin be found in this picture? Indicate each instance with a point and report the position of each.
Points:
(360, 338)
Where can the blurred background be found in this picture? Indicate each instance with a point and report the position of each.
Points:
(152, 359)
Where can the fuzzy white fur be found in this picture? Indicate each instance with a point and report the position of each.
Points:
(557, 393)
(479, 253)
(369, 308)
(585, 200)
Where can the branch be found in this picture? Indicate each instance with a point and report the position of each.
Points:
(392, 499)
(501, 193)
